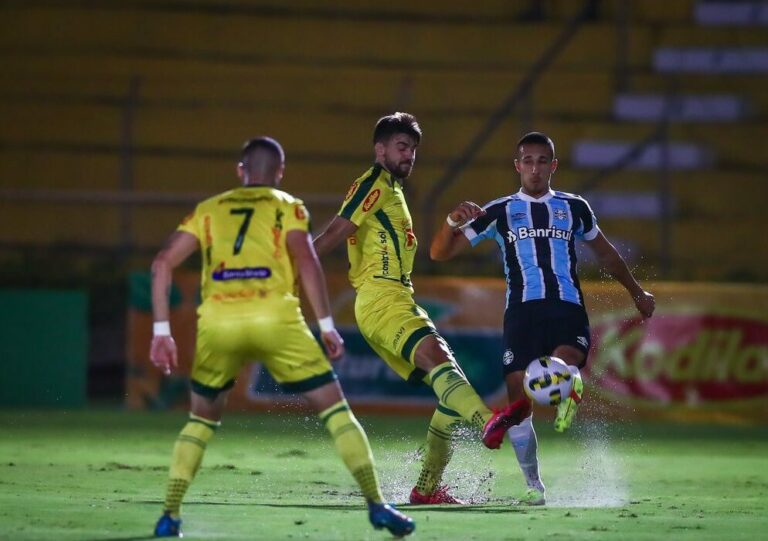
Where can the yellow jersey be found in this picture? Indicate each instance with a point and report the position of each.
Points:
(242, 236)
(383, 248)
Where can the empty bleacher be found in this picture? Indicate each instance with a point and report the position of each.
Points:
(177, 86)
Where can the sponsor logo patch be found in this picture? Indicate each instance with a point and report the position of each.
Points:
(398, 336)
(248, 273)
(351, 191)
(371, 200)
(522, 233)
(410, 239)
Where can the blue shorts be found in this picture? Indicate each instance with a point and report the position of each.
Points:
(535, 328)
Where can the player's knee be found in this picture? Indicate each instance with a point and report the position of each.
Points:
(569, 355)
(515, 387)
(208, 407)
(431, 353)
(324, 397)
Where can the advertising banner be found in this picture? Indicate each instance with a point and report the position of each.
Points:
(703, 356)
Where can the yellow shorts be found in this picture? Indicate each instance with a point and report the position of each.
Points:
(393, 325)
(275, 335)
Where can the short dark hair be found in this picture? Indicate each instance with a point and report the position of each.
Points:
(536, 138)
(262, 143)
(389, 125)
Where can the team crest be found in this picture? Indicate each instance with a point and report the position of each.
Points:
(560, 214)
(509, 357)
(299, 212)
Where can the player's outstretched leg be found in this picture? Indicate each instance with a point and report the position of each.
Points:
(439, 449)
(454, 391)
(566, 409)
(187, 456)
(384, 515)
(504, 419)
(523, 440)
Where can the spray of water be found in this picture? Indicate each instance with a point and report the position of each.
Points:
(595, 478)
(469, 475)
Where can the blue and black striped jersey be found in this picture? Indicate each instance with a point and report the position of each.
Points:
(536, 237)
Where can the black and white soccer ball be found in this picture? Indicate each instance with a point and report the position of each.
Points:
(547, 380)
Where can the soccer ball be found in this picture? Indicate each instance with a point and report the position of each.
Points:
(547, 381)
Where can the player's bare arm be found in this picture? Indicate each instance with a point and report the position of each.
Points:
(179, 247)
(449, 241)
(340, 229)
(313, 281)
(611, 261)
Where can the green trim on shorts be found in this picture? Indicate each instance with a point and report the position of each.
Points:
(210, 392)
(416, 335)
(447, 411)
(309, 384)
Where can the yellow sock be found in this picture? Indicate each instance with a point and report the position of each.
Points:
(452, 389)
(352, 444)
(438, 449)
(187, 456)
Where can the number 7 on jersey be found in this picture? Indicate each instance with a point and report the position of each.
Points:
(248, 214)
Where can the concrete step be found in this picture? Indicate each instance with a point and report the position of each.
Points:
(220, 37)
(719, 13)
(343, 89)
(751, 60)
(681, 108)
(678, 155)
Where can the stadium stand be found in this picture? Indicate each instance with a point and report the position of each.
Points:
(142, 103)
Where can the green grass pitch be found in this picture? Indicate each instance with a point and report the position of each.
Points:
(99, 476)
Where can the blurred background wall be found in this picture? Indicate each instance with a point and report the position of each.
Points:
(118, 116)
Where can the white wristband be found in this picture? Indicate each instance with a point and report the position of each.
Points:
(450, 222)
(326, 324)
(162, 328)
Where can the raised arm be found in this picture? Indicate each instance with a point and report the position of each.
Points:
(611, 261)
(313, 282)
(179, 247)
(449, 241)
(337, 231)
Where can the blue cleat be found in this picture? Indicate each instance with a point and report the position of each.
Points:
(383, 515)
(167, 526)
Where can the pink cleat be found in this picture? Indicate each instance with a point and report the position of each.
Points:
(501, 421)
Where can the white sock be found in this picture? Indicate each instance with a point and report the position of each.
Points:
(523, 440)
